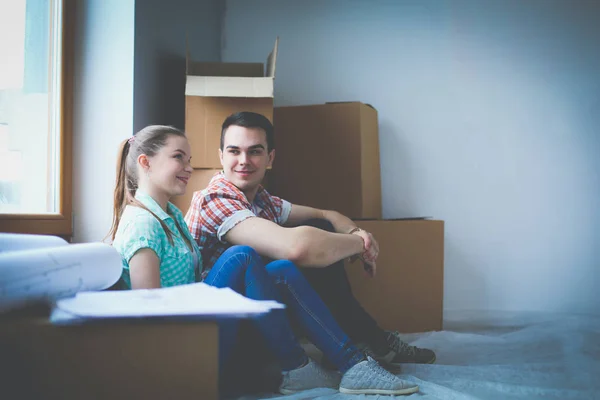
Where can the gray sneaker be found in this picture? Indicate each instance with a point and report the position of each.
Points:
(368, 377)
(310, 376)
(399, 352)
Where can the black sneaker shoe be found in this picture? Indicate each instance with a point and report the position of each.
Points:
(400, 353)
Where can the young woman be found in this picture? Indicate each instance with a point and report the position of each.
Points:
(158, 251)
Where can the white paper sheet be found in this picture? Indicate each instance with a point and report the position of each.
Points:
(18, 242)
(56, 272)
(198, 299)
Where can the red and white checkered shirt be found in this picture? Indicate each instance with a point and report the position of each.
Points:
(215, 210)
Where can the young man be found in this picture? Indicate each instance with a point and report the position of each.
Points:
(236, 210)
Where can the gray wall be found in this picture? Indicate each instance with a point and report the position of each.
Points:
(159, 72)
(102, 109)
(129, 72)
(489, 119)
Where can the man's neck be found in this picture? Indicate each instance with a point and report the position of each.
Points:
(251, 194)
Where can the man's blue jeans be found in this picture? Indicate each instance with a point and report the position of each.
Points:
(242, 269)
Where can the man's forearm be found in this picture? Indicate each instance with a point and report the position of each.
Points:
(320, 248)
(304, 245)
(341, 223)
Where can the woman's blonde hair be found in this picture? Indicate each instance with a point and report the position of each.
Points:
(148, 141)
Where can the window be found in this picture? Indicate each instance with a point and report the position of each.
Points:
(35, 118)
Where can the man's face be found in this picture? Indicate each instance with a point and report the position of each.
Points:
(245, 157)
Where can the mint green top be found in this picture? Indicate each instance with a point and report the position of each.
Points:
(138, 229)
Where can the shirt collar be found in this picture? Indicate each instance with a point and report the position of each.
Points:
(258, 197)
(152, 205)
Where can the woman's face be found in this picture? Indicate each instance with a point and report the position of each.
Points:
(169, 170)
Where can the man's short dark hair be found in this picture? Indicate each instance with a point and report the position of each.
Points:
(249, 119)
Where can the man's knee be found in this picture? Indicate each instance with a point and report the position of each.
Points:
(242, 250)
(320, 223)
(283, 268)
(247, 258)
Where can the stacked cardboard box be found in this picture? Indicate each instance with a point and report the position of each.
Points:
(407, 294)
(213, 91)
(327, 156)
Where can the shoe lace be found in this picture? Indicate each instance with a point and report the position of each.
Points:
(400, 346)
(381, 372)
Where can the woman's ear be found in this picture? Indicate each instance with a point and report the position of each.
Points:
(144, 162)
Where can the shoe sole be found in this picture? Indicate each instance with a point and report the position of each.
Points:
(411, 390)
(288, 391)
(291, 391)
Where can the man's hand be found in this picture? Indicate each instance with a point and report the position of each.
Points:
(371, 251)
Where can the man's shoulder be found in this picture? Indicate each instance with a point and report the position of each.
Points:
(267, 200)
(264, 195)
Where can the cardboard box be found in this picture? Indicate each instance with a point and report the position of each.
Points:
(200, 180)
(146, 359)
(213, 91)
(408, 291)
(327, 156)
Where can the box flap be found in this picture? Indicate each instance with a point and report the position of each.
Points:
(272, 60)
(215, 86)
(350, 102)
(250, 70)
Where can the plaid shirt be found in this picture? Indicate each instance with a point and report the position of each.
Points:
(215, 210)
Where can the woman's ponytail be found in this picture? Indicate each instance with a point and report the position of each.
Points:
(122, 192)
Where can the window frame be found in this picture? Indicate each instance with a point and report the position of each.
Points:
(60, 223)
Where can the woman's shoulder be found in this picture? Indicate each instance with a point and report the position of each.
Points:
(139, 215)
(136, 221)
(139, 229)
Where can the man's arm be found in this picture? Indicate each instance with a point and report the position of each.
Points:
(300, 214)
(341, 224)
(304, 245)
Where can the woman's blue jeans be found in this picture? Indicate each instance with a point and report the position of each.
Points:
(242, 269)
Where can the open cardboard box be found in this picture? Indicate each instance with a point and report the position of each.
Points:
(213, 91)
